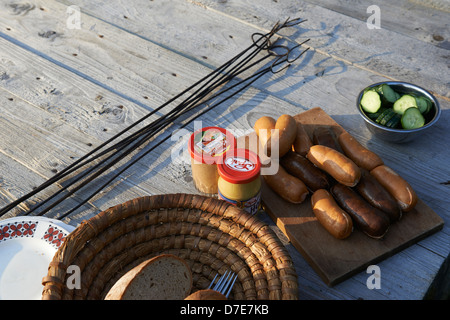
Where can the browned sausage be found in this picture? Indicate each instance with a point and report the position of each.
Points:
(302, 168)
(302, 141)
(374, 193)
(335, 220)
(324, 136)
(370, 220)
(287, 186)
(398, 187)
(360, 155)
(336, 164)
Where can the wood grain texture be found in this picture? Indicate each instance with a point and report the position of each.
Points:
(77, 87)
(422, 20)
(347, 40)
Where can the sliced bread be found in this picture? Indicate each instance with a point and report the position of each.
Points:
(164, 277)
(206, 294)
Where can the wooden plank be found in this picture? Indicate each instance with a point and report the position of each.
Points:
(37, 153)
(48, 151)
(114, 59)
(17, 179)
(55, 145)
(322, 30)
(157, 70)
(348, 40)
(424, 20)
(336, 260)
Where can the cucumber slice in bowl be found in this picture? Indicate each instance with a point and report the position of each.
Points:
(412, 118)
(388, 93)
(385, 116)
(405, 102)
(394, 121)
(424, 104)
(370, 101)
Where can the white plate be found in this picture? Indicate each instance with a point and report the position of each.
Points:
(27, 246)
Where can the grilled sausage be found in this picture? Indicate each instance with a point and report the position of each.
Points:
(398, 187)
(360, 155)
(302, 168)
(324, 136)
(336, 164)
(302, 141)
(332, 217)
(374, 193)
(368, 219)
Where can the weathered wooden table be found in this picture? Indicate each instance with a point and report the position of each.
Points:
(74, 73)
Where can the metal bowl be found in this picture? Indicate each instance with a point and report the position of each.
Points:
(401, 135)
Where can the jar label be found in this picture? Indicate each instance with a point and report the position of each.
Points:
(239, 164)
(212, 142)
(250, 205)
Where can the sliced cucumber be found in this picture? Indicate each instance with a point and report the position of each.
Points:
(394, 121)
(430, 105)
(388, 93)
(375, 115)
(385, 116)
(370, 101)
(405, 102)
(412, 118)
(424, 104)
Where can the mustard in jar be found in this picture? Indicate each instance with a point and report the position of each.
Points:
(239, 179)
(207, 147)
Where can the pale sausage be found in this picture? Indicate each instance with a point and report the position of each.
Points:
(335, 164)
(287, 186)
(332, 217)
(398, 187)
(360, 155)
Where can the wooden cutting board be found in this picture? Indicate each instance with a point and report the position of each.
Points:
(336, 260)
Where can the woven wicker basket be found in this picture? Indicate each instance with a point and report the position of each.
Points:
(211, 235)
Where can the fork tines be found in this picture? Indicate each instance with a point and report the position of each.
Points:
(225, 283)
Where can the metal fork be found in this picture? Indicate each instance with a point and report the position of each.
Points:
(225, 283)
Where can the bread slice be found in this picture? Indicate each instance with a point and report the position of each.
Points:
(164, 277)
(206, 294)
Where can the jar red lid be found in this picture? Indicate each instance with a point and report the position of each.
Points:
(240, 166)
(209, 144)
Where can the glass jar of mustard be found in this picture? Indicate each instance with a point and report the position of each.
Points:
(207, 147)
(239, 179)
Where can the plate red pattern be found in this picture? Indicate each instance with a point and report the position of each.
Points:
(17, 229)
(55, 236)
(27, 246)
